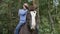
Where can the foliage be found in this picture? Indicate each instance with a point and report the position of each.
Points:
(9, 16)
(45, 24)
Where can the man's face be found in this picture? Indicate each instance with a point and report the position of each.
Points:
(25, 5)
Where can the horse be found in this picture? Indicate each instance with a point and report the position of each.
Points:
(31, 25)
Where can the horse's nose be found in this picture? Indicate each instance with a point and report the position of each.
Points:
(33, 28)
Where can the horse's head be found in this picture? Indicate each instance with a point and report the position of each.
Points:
(32, 17)
(33, 20)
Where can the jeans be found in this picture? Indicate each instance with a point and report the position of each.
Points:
(20, 24)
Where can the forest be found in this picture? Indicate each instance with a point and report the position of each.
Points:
(49, 15)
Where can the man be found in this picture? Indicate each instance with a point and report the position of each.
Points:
(22, 15)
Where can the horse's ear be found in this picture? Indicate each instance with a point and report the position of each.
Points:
(36, 8)
(31, 8)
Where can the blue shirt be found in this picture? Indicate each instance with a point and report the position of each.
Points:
(22, 14)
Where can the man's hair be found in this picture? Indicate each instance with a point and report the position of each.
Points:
(25, 2)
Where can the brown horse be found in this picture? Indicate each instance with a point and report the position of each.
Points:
(26, 28)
